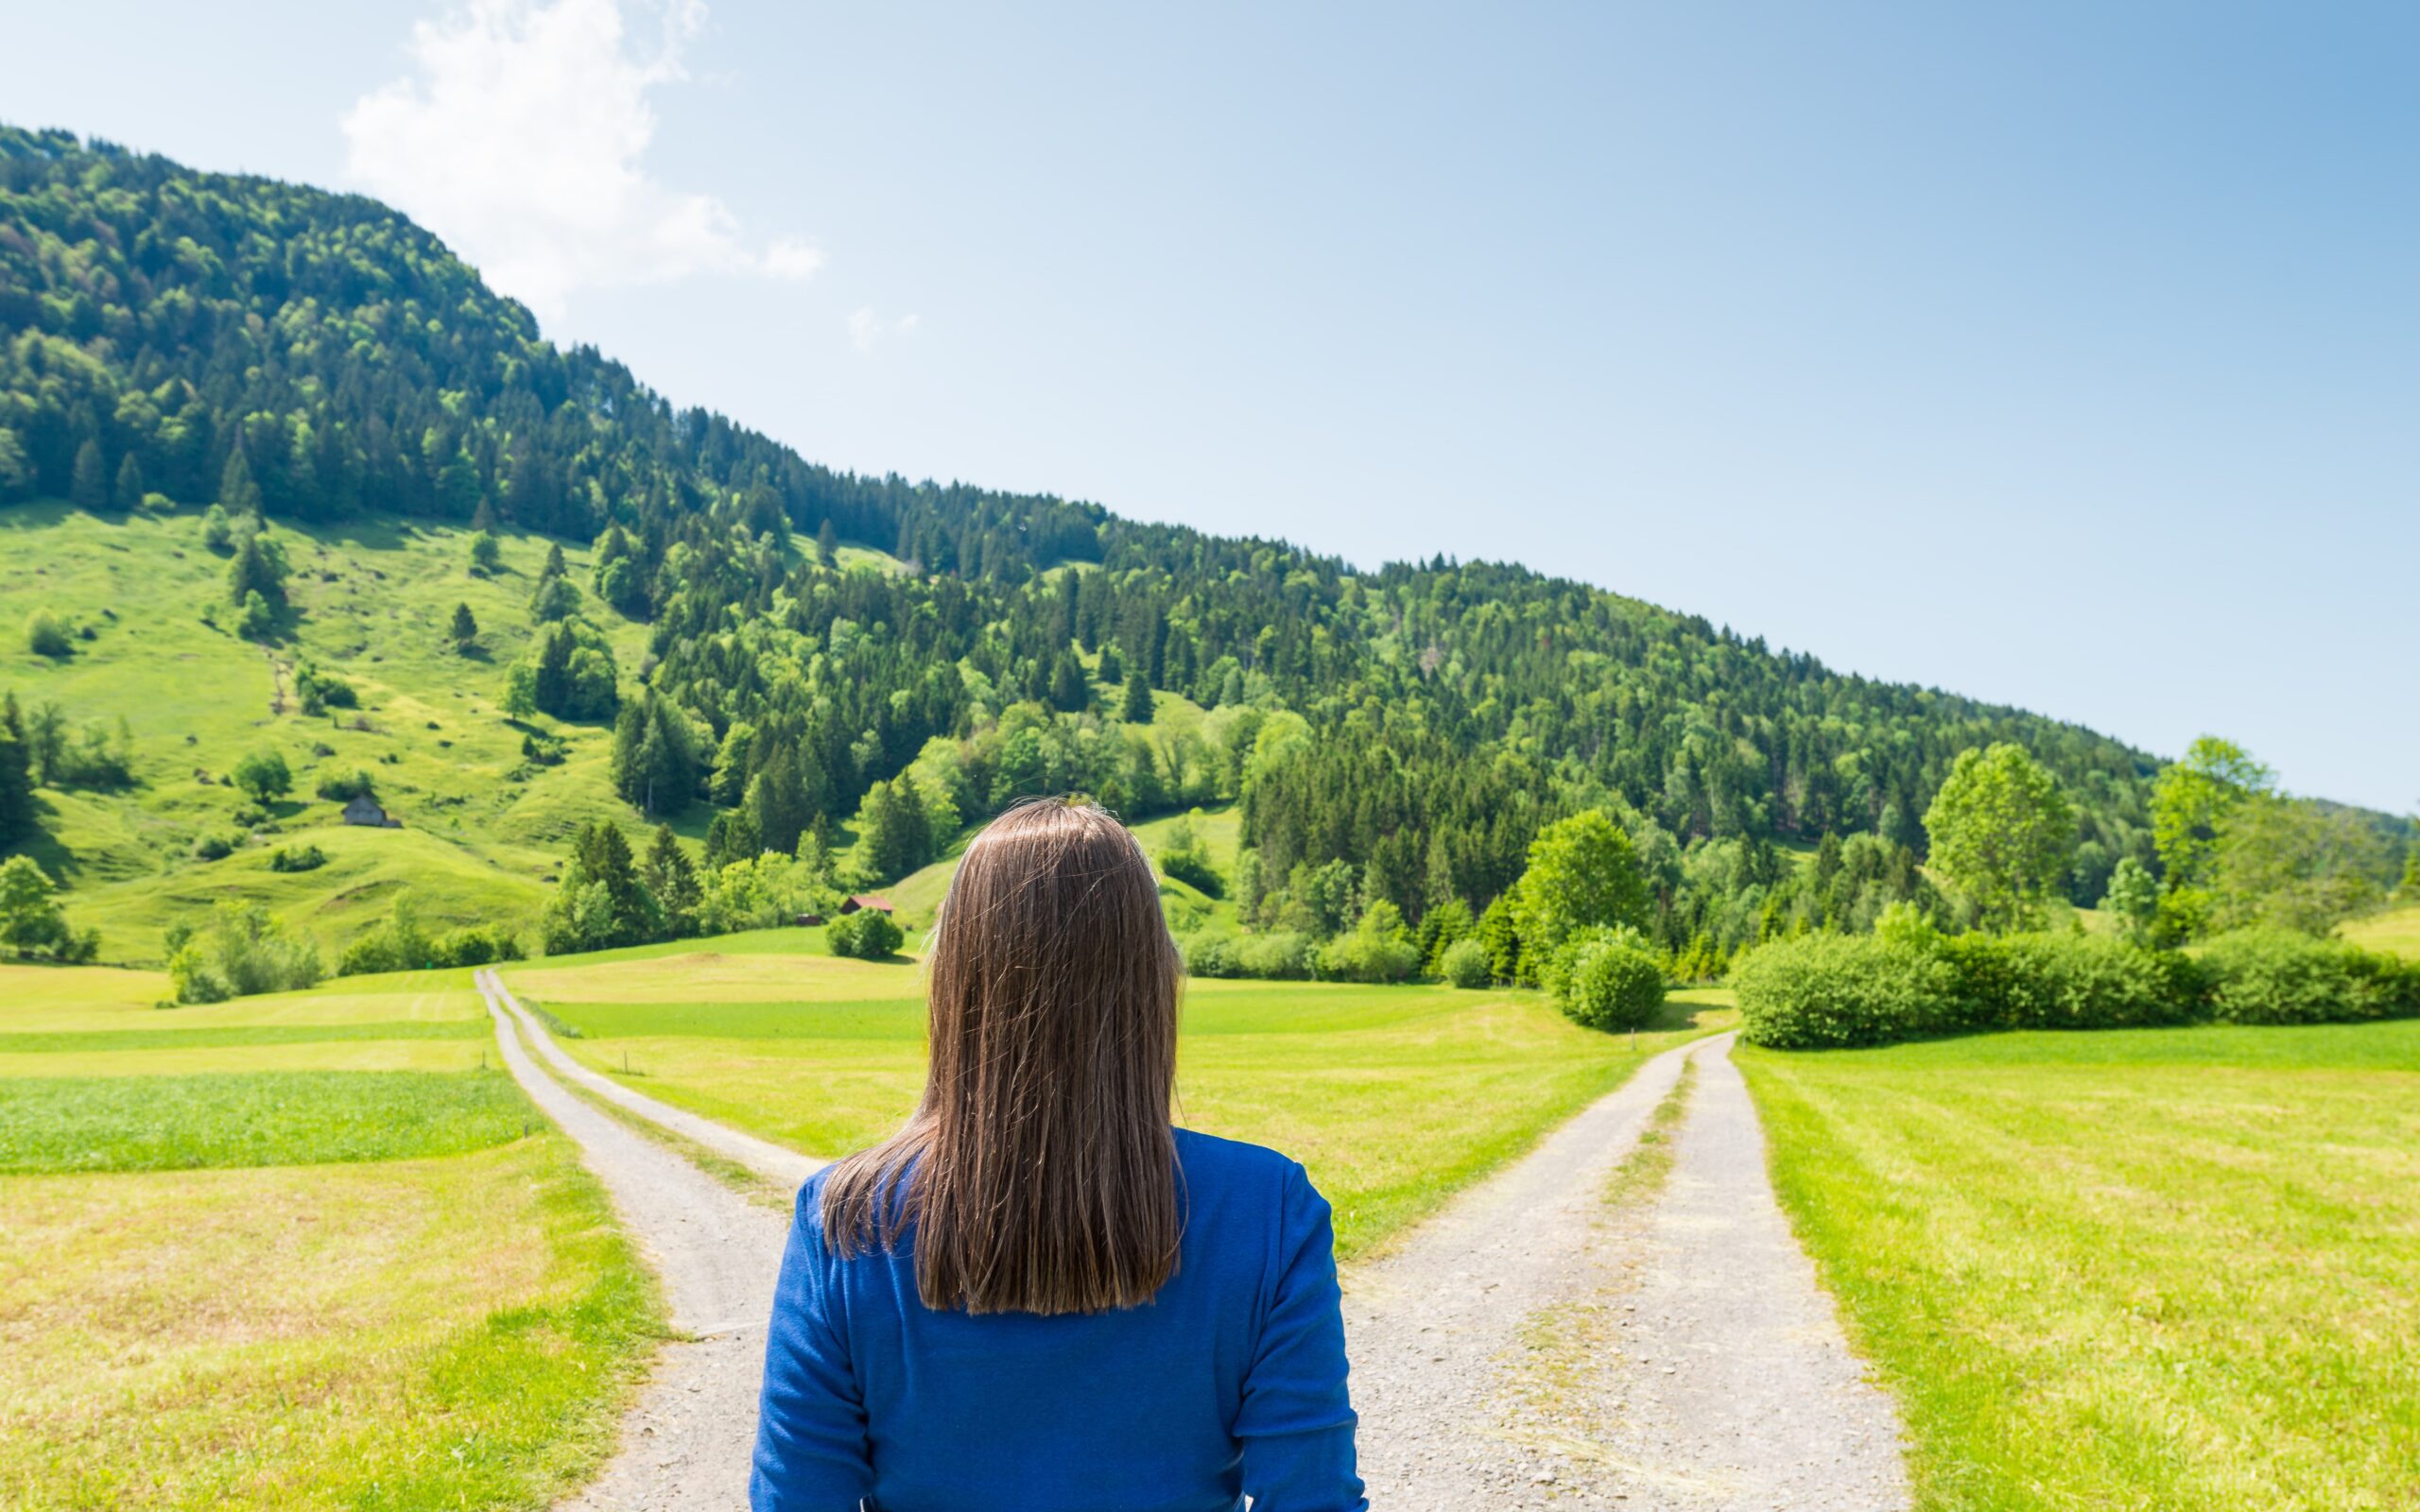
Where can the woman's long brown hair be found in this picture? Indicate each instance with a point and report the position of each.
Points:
(1039, 1171)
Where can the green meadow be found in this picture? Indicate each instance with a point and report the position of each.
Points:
(2170, 1269)
(1394, 1097)
(304, 1250)
(483, 829)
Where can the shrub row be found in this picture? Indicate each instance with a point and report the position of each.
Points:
(1822, 990)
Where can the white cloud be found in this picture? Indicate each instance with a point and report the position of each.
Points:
(868, 330)
(518, 137)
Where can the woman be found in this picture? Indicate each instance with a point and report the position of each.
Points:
(1038, 1293)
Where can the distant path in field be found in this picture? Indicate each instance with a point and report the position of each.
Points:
(1534, 1344)
(684, 1446)
(786, 1167)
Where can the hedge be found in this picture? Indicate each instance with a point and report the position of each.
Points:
(1822, 990)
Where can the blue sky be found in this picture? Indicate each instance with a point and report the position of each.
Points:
(2067, 355)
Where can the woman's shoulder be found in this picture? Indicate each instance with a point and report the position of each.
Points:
(1253, 1172)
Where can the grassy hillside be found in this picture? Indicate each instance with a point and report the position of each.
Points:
(483, 829)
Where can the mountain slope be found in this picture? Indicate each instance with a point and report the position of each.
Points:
(199, 336)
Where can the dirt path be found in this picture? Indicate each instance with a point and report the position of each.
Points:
(684, 1444)
(783, 1166)
(1535, 1345)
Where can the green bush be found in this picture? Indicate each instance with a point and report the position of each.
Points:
(1281, 954)
(1208, 955)
(1844, 990)
(1367, 958)
(867, 934)
(1614, 985)
(299, 858)
(2067, 982)
(1464, 963)
(343, 788)
(46, 634)
(2275, 976)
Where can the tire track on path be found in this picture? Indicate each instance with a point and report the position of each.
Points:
(1689, 1357)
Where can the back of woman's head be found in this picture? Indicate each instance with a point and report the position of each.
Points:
(1038, 1174)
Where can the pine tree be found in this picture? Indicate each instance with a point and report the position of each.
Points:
(483, 518)
(777, 801)
(130, 490)
(90, 486)
(1137, 708)
(237, 493)
(1068, 691)
(674, 883)
(731, 837)
(554, 567)
(465, 630)
(827, 544)
(16, 776)
(602, 856)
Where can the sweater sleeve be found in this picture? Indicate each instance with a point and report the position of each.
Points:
(1296, 1422)
(811, 1450)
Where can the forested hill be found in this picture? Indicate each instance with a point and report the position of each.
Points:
(317, 357)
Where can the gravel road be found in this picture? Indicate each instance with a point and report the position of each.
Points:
(685, 1443)
(1535, 1345)
(784, 1167)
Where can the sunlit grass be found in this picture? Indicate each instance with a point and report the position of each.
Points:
(406, 1334)
(1394, 1097)
(2397, 930)
(251, 1118)
(2159, 1269)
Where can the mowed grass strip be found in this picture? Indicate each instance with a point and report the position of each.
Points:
(253, 1118)
(2159, 1269)
(1394, 1097)
(103, 1000)
(211, 1037)
(408, 1335)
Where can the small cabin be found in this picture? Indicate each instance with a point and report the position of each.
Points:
(865, 899)
(364, 810)
(809, 920)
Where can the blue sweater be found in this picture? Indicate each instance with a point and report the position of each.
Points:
(1229, 1384)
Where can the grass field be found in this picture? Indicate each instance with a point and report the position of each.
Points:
(1392, 1096)
(2397, 930)
(2156, 1269)
(294, 1251)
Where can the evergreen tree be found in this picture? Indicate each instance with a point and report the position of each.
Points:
(483, 518)
(1069, 692)
(827, 544)
(732, 836)
(673, 882)
(602, 857)
(777, 805)
(1136, 709)
(894, 834)
(16, 776)
(464, 631)
(237, 493)
(129, 494)
(90, 489)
